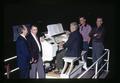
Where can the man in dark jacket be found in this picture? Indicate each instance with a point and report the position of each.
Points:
(74, 45)
(36, 54)
(97, 35)
(23, 56)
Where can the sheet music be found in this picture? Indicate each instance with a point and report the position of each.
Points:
(55, 29)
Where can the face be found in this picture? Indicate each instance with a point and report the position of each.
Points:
(25, 31)
(82, 20)
(34, 30)
(99, 22)
(72, 28)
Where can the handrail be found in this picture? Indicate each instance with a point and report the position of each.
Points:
(107, 51)
(99, 69)
(12, 70)
(10, 58)
(16, 56)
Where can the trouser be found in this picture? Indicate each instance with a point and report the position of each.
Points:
(24, 73)
(59, 60)
(37, 67)
(97, 52)
(85, 48)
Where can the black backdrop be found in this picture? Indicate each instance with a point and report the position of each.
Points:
(47, 12)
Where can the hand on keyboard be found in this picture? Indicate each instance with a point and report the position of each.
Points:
(61, 44)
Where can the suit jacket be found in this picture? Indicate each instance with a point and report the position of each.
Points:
(74, 44)
(33, 47)
(23, 55)
(100, 31)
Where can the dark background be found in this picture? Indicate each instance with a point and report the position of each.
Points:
(46, 12)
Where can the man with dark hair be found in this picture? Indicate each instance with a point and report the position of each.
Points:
(23, 56)
(85, 29)
(36, 53)
(97, 35)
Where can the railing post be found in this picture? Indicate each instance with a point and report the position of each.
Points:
(107, 67)
(8, 70)
(96, 68)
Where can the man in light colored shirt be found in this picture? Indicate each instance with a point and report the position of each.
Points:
(36, 54)
(36, 39)
(85, 29)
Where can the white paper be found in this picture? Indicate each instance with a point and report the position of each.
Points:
(55, 29)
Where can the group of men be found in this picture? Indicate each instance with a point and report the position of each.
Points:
(29, 53)
(29, 49)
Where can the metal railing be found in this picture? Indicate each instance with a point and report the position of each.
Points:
(7, 66)
(10, 58)
(94, 64)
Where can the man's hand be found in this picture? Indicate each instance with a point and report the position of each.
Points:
(95, 35)
(35, 61)
(31, 61)
(67, 32)
(61, 44)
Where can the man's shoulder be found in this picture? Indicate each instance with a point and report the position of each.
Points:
(19, 38)
(76, 33)
(30, 38)
(88, 25)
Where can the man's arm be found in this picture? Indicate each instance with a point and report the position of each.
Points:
(99, 34)
(92, 32)
(23, 48)
(31, 49)
(89, 30)
(70, 40)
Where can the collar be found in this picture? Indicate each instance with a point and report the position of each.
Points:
(23, 36)
(83, 25)
(33, 35)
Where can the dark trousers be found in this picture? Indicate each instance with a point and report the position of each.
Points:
(59, 60)
(85, 48)
(97, 51)
(37, 67)
(24, 73)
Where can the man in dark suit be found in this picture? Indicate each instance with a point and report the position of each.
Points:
(36, 54)
(75, 42)
(23, 56)
(97, 35)
(74, 45)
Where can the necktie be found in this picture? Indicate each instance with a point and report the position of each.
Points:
(81, 28)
